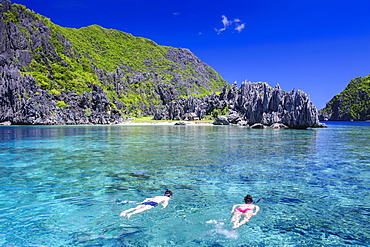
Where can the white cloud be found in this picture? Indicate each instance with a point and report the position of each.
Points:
(226, 22)
(220, 30)
(240, 27)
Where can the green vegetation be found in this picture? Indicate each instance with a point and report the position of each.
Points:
(88, 112)
(54, 91)
(12, 16)
(110, 48)
(219, 112)
(72, 59)
(354, 100)
(61, 104)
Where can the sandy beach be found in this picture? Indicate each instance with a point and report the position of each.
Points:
(168, 123)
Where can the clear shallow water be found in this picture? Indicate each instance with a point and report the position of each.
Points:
(66, 185)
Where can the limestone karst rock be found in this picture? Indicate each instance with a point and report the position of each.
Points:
(251, 102)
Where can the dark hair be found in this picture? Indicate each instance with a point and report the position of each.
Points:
(168, 193)
(248, 199)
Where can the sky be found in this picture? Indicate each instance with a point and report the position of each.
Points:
(316, 46)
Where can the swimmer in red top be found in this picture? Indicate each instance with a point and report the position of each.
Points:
(149, 203)
(247, 210)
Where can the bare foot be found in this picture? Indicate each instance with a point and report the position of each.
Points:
(122, 214)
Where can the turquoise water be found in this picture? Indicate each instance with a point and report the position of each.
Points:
(66, 185)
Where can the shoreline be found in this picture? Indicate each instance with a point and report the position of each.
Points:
(183, 123)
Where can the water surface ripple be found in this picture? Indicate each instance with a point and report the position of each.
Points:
(66, 185)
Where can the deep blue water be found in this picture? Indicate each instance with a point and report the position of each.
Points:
(66, 185)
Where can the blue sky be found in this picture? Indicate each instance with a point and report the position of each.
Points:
(313, 45)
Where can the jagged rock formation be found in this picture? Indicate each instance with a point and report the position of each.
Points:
(22, 101)
(252, 103)
(353, 103)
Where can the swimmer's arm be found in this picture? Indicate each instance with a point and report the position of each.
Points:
(233, 209)
(164, 204)
(257, 209)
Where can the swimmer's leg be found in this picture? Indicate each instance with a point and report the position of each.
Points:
(245, 220)
(124, 213)
(139, 210)
(236, 218)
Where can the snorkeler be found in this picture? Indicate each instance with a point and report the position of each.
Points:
(245, 210)
(149, 203)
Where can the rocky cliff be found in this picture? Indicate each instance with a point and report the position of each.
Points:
(92, 75)
(55, 75)
(353, 103)
(249, 104)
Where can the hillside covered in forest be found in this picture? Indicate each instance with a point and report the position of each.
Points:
(353, 103)
(67, 63)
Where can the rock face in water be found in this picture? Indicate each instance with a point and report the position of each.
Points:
(252, 103)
